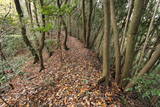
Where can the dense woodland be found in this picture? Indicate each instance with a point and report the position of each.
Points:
(80, 53)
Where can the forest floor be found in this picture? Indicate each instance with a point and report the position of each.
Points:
(69, 80)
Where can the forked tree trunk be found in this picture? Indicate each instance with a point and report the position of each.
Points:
(132, 31)
(23, 31)
(116, 41)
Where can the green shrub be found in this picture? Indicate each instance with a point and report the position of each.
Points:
(14, 65)
(12, 44)
(147, 86)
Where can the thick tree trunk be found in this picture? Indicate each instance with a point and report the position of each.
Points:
(116, 41)
(106, 42)
(23, 31)
(132, 31)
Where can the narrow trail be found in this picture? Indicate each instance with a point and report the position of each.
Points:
(65, 83)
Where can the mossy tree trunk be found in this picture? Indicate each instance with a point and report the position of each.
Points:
(23, 31)
(42, 40)
(131, 37)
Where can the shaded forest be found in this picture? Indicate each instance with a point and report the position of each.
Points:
(79, 53)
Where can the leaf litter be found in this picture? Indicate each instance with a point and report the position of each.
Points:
(70, 83)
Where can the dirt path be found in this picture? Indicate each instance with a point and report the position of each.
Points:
(65, 84)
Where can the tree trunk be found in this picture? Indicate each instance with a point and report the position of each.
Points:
(89, 23)
(42, 41)
(155, 57)
(84, 20)
(1, 53)
(65, 26)
(28, 4)
(126, 25)
(116, 41)
(132, 31)
(36, 13)
(23, 31)
(106, 42)
(66, 34)
(148, 33)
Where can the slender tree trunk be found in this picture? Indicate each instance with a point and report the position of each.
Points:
(42, 41)
(116, 41)
(70, 24)
(1, 53)
(59, 42)
(106, 42)
(84, 20)
(66, 34)
(126, 25)
(89, 23)
(155, 57)
(23, 31)
(28, 3)
(148, 33)
(36, 13)
(65, 27)
(132, 31)
(96, 35)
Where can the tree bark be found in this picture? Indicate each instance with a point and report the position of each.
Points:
(28, 4)
(42, 40)
(116, 41)
(126, 25)
(89, 23)
(66, 34)
(106, 43)
(23, 31)
(36, 13)
(132, 31)
(65, 26)
(84, 20)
